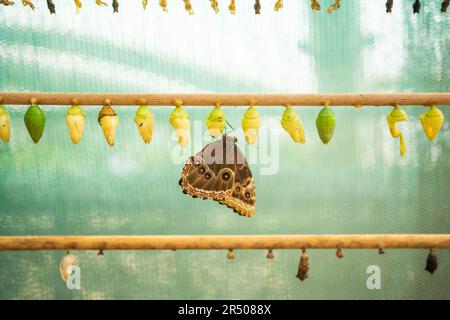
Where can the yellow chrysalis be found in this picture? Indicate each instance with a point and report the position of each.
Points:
(75, 122)
(144, 122)
(215, 121)
(179, 119)
(397, 115)
(4, 124)
(250, 124)
(108, 120)
(432, 122)
(293, 125)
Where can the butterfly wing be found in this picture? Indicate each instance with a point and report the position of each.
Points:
(220, 172)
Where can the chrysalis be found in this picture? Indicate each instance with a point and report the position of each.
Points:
(51, 7)
(35, 122)
(293, 125)
(115, 5)
(232, 7)
(28, 3)
(144, 122)
(67, 261)
(444, 5)
(432, 262)
(78, 4)
(7, 2)
(230, 254)
(163, 5)
(75, 122)
(270, 254)
(432, 122)
(339, 253)
(144, 4)
(336, 5)
(315, 6)
(250, 124)
(257, 7)
(179, 119)
(416, 6)
(108, 120)
(4, 124)
(397, 115)
(101, 3)
(325, 123)
(303, 267)
(215, 5)
(278, 5)
(215, 121)
(188, 7)
(389, 5)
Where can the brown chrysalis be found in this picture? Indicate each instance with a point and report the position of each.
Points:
(115, 5)
(257, 7)
(51, 7)
(231, 255)
(444, 5)
(303, 267)
(416, 6)
(339, 253)
(432, 263)
(270, 254)
(315, 6)
(389, 5)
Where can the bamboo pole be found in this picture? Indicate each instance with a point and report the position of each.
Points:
(129, 99)
(195, 242)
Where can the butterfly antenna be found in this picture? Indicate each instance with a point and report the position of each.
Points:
(229, 125)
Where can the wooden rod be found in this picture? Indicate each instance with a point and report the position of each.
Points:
(129, 99)
(349, 241)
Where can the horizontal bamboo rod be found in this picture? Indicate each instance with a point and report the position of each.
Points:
(353, 241)
(129, 99)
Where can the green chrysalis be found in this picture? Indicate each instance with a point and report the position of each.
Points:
(35, 122)
(325, 123)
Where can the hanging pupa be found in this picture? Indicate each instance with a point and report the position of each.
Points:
(293, 125)
(51, 7)
(65, 265)
(78, 4)
(75, 122)
(232, 7)
(179, 119)
(325, 123)
(257, 7)
(7, 2)
(250, 124)
(397, 115)
(416, 6)
(303, 266)
(108, 120)
(35, 121)
(315, 6)
(163, 5)
(278, 5)
(389, 5)
(188, 7)
(115, 5)
(432, 262)
(28, 3)
(144, 4)
(215, 121)
(444, 5)
(336, 5)
(4, 124)
(215, 5)
(432, 122)
(144, 122)
(101, 3)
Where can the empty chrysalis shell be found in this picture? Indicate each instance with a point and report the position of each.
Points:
(432, 122)
(108, 120)
(64, 266)
(325, 123)
(4, 124)
(397, 115)
(250, 124)
(75, 122)
(215, 121)
(35, 122)
(179, 119)
(293, 125)
(144, 122)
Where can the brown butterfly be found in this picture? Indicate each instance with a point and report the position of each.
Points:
(221, 173)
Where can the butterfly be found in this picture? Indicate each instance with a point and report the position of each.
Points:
(220, 172)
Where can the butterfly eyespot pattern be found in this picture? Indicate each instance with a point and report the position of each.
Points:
(220, 172)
